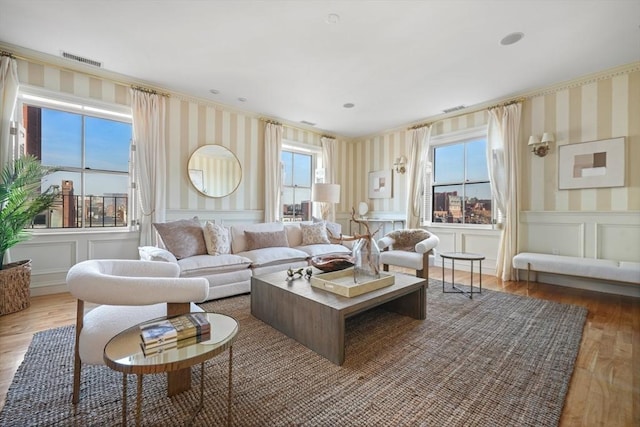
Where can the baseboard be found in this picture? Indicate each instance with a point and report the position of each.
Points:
(49, 289)
(617, 288)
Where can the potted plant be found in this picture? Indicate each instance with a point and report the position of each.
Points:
(20, 202)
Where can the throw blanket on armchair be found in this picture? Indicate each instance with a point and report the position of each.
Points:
(406, 240)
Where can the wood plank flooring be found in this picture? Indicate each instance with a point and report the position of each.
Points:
(604, 389)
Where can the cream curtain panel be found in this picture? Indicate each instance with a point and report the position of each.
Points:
(8, 95)
(502, 158)
(415, 173)
(330, 162)
(272, 171)
(149, 115)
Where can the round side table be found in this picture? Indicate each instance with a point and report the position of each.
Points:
(462, 256)
(124, 353)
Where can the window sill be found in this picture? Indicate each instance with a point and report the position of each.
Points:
(71, 231)
(488, 227)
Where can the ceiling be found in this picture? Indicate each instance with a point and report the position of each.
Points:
(398, 62)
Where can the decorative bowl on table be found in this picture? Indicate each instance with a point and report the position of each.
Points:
(333, 262)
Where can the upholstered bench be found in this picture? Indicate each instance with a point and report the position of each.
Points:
(603, 269)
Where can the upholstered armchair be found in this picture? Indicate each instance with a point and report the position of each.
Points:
(411, 248)
(128, 292)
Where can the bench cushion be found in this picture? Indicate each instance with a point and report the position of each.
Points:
(575, 266)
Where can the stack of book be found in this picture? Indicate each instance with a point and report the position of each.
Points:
(175, 332)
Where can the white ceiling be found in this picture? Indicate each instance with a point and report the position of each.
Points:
(399, 62)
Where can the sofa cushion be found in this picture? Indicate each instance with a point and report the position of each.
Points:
(266, 239)
(238, 238)
(217, 239)
(313, 234)
(324, 249)
(183, 238)
(294, 233)
(202, 265)
(274, 255)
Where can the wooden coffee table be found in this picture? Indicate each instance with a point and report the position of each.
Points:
(316, 318)
(123, 353)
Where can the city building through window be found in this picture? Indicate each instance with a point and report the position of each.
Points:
(90, 151)
(458, 186)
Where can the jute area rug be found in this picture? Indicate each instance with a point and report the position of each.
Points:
(496, 360)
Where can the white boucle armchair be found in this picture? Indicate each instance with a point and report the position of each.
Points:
(129, 292)
(411, 248)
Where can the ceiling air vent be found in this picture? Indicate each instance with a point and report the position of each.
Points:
(81, 59)
(304, 122)
(452, 109)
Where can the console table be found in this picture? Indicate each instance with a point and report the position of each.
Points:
(392, 221)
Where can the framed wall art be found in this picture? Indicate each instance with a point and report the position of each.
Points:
(592, 164)
(381, 184)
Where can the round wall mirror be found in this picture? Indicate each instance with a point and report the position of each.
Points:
(214, 170)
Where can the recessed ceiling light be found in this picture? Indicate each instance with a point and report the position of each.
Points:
(214, 91)
(242, 99)
(332, 18)
(511, 38)
(349, 105)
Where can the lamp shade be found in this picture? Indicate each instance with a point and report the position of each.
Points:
(533, 140)
(547, 137)
(329, 193)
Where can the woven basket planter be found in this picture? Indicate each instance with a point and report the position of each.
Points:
(15, 280)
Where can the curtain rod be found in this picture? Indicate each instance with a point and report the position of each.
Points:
(470, 111)
(150, 91)
(5, 53)
(274, 122)
(271, 122)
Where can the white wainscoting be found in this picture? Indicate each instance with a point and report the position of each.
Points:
(602, 235)
(599, 235)
(482, 241)
(53, 253)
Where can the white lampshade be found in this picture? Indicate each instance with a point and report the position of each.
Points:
(329, 193)
(533, 140)
(547, 137)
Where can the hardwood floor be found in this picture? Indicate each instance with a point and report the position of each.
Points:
(604, 389)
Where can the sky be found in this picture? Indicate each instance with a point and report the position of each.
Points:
(107, 148)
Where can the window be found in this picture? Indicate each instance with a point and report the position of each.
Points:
(90, 149)
(298, 165)
(296, 186)
(460, 190)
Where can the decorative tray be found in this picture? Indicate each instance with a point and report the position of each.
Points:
(341, 283)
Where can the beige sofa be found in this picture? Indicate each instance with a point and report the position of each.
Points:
(229, 256)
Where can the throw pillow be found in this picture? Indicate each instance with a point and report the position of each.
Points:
(313, 234)
(406, 240)
(183, 238)
(217, 239)
(266, 239)
(333, 228)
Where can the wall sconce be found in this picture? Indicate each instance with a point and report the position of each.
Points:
(399, 164)
(540, 147)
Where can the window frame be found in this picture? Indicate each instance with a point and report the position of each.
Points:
(52, 100)
(452, 138)
(317, 171)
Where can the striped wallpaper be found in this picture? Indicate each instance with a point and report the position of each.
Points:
(378, 153)
(601, 109)
(606, 107)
